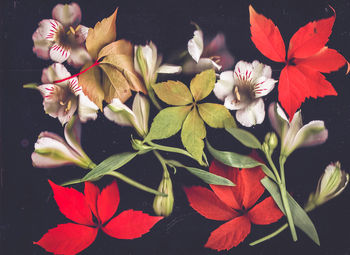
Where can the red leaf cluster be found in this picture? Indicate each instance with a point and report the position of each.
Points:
(72, 238)
(306, 59)
(236, 205)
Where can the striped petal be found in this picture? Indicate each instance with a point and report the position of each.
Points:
(48, 29)
(55, 72)
(74, 86)
(58, 53)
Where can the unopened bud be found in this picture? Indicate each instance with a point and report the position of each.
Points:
(271, 140)
(163, 206)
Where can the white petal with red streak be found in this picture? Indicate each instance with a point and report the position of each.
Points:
(243, 71)
(263, 86)
(48, 29)
(74, 86)
(58, 53)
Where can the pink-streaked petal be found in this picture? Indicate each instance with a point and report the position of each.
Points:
(72, 204)
(59, 53)
(48, 29)
(74, 86)
(130, 224)
(243, 72)
(68, 238)
(68, 15)
(223, 87)
(263, 86)
(252, 114)
(264, 213)
(206, 203)
(81, 33)
(195, 45)
(54, 72)
(230, 234)
(78, 57)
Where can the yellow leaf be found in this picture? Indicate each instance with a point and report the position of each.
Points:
(102, 34)
(203, 84)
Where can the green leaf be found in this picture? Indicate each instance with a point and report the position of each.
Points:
(205, 176)
(233, 159)
(173, 93)
(243, 136)
(168, 122)
(203, 84)
(192, 135)
(215, 115)
(300, 217)
(110, 164)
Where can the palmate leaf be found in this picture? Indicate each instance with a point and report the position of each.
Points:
(300, 217)
(215, 115)
(203, 84)
(173, 92)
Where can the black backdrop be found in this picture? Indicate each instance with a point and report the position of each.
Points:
(27, 207)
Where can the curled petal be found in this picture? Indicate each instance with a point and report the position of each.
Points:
(55, 72)
(58, 53)
(119, 113)
(277, 118)
(230, 234)
(141, 108)
(224, 86)
(87, 110)
(78, 57)
(313, 133)
(68, 15)
(252, 114)
(167, 68)
(195, 45)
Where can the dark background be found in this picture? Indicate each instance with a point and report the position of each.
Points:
(27, 206)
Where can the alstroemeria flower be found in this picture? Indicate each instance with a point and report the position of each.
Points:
(147, 62)
(124, 116)
(62, 99)
(236, 205)
(242, 91)
(51, 150)
(206, 56)
(62, 38)
(332, 182)
(72, 238)
(294, 134)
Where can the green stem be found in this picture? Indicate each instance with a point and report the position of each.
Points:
(169, 149)
(273, 166)
(152, 96)
(31, 86)
(162, 161)
(135, 183)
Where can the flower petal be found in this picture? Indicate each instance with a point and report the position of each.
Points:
(130, 224)
(78, 57)
(263, 86)
(66, 112)
(41, 45)
(80, 34)
(167, 68)
(48, 29)
(141, 108)
(223, 87)
(58, 53)
(91, 193)
(108, 201)
(230, 234)
(74, 86)
(195, 45)
(278, 119)
(72, 133)
(252, 114)
(68, 238)
(87, 110)
(119, 113)
(206, 203)
(231, 196)
(243, 72)
(232, 103)
(55, 72)
(264, 213)
(72, 204)
(311, 134)
(68, 15)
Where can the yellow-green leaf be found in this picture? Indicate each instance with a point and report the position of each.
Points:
(118, 81)
(173, 92)
(168, 122)
(90, 81)
(215, 115)
(102, 34)
(203, 84)
(192, 134)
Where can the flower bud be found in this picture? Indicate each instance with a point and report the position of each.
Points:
(271, 142)
(332, 182)
(163, 206)
(138, 145)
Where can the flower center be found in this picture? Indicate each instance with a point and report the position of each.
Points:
(244, 92)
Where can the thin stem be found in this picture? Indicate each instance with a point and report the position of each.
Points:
(273, 166)
(31, 86)
(169, 149)
(161, 160)
(273, 234)
(136, 184)
(75, 75)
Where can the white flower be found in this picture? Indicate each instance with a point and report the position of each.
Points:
(294, 134)
(242, 90)
(206, 56)
(148, 63)
(62, 38)
(61, 99)
(332, 182)
(51, 150)
(124, 116)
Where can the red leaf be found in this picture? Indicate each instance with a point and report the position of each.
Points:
(130, 224)
(311, 38)
(229, 234)
(72, 204)
(91, 193)
(299, 82)
(325, 61)
(266, 36)
(206, 203)
(108, 201)
(264, 213)
(229, 195)
(68, 239)
(250, 185)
